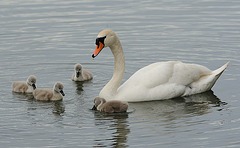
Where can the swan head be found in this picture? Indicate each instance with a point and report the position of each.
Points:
(105, 38)
(31, 81)
(78, 69)
(97, 101)
(58, 87)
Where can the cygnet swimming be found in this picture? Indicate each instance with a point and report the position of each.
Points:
(25, 87)
(49, 95)
(81, 74)
(113, 106)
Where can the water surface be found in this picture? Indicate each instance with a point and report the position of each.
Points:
(47, 38)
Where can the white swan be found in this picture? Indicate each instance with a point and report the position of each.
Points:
(157, 81)
(25, 87)
(81, 74)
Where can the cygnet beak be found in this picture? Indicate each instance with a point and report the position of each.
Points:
(62, 92)
(94, 107)
(34, 86)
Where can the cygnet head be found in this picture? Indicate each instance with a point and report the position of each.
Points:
(32, 81)
(105, 38)
(98, 101)
(78, 69)
(58, 87)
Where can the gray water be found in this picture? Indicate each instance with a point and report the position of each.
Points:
(47, 37)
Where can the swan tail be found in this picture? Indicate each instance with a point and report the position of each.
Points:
(217, 73)
(220, 70)
(206, 82)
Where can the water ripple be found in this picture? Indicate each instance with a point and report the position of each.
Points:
(46, 38)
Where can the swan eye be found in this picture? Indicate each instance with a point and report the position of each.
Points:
(101, 39)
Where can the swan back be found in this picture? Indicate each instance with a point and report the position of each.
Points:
(165, 80)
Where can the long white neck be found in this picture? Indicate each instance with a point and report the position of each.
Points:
(110, 89)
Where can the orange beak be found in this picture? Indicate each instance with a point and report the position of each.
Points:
(98, 49)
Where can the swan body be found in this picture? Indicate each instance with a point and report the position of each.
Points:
(157, 81)
(81, 74)
(165, 80)
(25, 87)
(112, 106)
(49, 95)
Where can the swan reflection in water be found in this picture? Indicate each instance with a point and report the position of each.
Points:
(22, 96)
(116, 125)
(57, 107)
(160, 113)
(197, 104)
(79, 87)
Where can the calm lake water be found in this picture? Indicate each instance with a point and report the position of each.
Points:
(47, 37)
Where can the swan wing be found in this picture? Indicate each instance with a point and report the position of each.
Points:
(162, 80)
